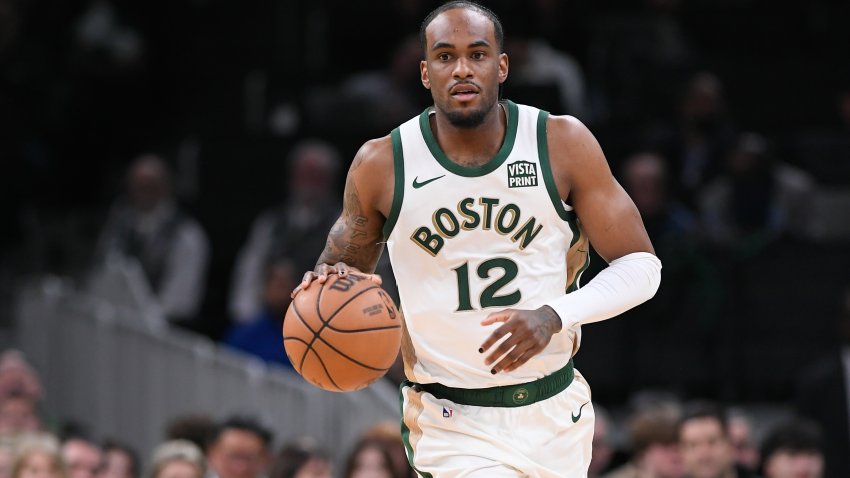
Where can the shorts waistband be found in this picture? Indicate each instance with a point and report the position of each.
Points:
(517, 395)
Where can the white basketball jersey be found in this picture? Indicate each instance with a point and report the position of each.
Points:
(468, 241)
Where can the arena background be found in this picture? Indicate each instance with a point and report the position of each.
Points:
(224, 90)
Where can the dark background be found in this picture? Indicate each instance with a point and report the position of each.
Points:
(201, 81)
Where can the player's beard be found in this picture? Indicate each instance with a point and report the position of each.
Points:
(467, 119)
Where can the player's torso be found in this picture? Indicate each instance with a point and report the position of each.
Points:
(465, 242)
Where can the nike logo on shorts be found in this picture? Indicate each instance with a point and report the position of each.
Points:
(577, 417)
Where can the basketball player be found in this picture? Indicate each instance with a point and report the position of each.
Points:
(477, 201)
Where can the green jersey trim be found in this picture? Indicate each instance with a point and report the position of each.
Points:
(466, 171)
(398, 187)
(548, 177)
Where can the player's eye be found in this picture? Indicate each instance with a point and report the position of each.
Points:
(478, 55)
(443, 57)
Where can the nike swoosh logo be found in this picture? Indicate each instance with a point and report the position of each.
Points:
(417, 184)
(576, 417)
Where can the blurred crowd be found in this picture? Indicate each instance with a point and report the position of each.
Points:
(192, 446)
(657, 436)
(209, 143)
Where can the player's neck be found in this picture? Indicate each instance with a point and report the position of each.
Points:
(471, 147)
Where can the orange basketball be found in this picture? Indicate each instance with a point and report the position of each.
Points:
(342, 335)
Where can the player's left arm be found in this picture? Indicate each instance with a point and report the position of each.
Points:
(616, 231)
(613, 226)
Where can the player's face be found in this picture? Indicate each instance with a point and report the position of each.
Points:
(706, 451)
(463, 66)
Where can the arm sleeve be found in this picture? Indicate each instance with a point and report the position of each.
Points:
(625, 283)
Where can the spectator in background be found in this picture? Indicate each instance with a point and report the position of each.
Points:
(372, 102)
(602, 448)
(301, 458)
(667, 220)
(294, 229)
(654, 445)
(705, 445)
(370, 458)
(239, 448)
(39, 457)
(540, 73)
(743, 441)
(196, 428)
(756, 197)
(147, 224)
(793, 449)
(261, 335)
(697, 138)
(119, 461)
(82, 457)
(177, 459)
(17, 376)
(18, 415)
(822, 395)
(387, 433)
(8, 454)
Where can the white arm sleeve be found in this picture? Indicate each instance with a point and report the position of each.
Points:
(625, 283)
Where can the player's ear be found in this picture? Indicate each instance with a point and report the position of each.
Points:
(423, 70)
(503, 67)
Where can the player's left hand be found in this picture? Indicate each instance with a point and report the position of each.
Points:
(530, 331)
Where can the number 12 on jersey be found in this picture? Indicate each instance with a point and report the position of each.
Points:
(490, 296)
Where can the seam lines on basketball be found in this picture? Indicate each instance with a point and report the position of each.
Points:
(324, 322)
(322, 363)
(308, 344)
(317, 334)
(351, 359)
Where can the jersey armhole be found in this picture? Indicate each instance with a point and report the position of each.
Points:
(398, 184)
(546, 170)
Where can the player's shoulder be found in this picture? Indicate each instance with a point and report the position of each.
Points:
(375, 154)
(573, 149)
(568, 129)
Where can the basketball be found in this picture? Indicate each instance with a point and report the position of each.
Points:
(342, 335)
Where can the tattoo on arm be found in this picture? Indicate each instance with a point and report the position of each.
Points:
(352, 240)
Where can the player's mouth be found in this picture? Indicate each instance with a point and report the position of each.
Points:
(464, 92)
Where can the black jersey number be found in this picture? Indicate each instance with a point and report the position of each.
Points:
(489, 296)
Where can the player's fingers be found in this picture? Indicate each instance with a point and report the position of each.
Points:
(506, 345)
(324, 270)
(500, 316)
(519, 360)
(344, 269)
(512, 355)
(305, 282)
(494, 337)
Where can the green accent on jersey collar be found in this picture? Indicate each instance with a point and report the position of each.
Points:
(488, 167)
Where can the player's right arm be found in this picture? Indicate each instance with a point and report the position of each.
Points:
(355, 242)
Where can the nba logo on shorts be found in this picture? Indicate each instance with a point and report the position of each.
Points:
(447, 412)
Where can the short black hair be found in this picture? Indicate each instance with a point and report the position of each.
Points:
(700, 409)
(294, 454)
(242, 423)
(465, 4)
(111, 444)
(794, 435)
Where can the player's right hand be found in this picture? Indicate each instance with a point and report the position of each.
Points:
(322, 271)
